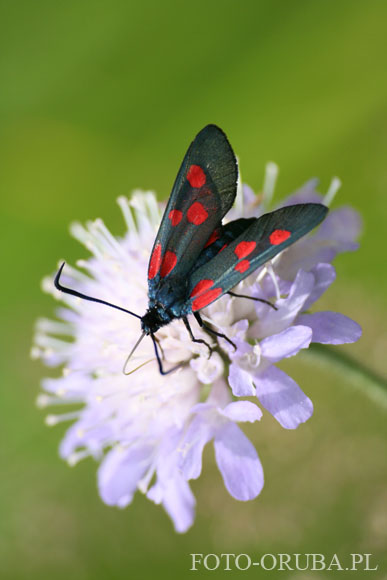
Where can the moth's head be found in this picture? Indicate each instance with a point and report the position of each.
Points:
(153, 319)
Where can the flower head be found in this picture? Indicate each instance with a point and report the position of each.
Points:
(148, 431)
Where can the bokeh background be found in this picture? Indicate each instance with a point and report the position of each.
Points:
(97, 98)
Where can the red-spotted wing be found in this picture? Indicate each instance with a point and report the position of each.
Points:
(203, 192)
(263, 239)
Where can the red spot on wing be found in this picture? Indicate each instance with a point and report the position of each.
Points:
(279, 236)
(155, 261)
(196, 176)
(243, 249)
(201, 287)
(213, 237)
(197, 214)
(222, 248)
(169, 262)
(242, 266)
(175, 216)
(206, 298)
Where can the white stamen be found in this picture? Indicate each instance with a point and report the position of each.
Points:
(239, 200)
(74, 273)
(140, 211)
(87, 238)
(154, 211)
(269, 182)
(106, 239)
(77, 456)
(35, 353)
(47, 285)
(52, 420)
(51, 343)
(273, 276)
(79, 232)
(53, 327)
(332, 190)
(261, 274)
(128, 216)
(43, 400)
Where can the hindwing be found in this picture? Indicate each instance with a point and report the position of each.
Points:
(263, 239)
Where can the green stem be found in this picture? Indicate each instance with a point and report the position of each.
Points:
(364, 378)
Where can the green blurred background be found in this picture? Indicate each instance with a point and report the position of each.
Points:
(97, 98)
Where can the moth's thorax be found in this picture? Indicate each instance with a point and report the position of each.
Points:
(169, 293)
(167, 301)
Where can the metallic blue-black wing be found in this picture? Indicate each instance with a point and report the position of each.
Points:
(203, 192)
(262, 239)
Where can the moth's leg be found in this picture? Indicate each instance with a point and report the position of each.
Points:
(253, 298)
(160, 347)
(211, 330)
(187, 325)
(162, 371)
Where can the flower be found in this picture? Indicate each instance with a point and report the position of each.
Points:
(148, 431)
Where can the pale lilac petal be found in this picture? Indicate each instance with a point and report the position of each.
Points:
(207, 369)
(285, 344)
(307, 193)
(178, 501)
(242, 411)
(304, 254)
(343, 226)
(238, 338)
(238, 463)
(249, 197)
(80, 435)
(283, 398)
(166, 455)
(276, 321)
(337, 233)
(331, 327)
(120, 472)
(220, 394)
(324, 276)
(156, 493)
(240, 381)
(191, 447)
(267, 288)
(245, 205)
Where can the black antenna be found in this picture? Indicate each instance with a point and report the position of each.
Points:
(130, 356)
(59, 286)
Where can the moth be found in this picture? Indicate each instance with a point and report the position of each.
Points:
(195, 257)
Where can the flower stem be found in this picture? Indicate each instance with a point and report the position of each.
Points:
(374, 385)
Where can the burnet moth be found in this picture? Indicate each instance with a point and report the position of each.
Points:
(195, 258)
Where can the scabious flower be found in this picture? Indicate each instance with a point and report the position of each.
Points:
(148, 431)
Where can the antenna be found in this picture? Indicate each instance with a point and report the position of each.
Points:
(130, 356)
(59, 286)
